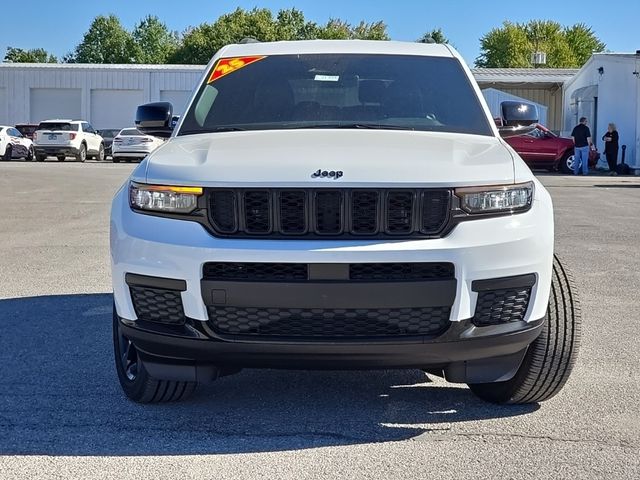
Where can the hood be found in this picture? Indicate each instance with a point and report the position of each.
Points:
(289, 158)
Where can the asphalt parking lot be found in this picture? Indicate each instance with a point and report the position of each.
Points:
(62, 414)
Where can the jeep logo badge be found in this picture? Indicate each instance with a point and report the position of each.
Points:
(334, 174)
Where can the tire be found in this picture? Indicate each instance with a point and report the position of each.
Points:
(566, 164)
(100, 157)
(128, 160)
(30, 155)
(81, 156)
(7, 154)
(134, 379)
(551, 357)
(41, 158)
(115, 159)
(61, 158)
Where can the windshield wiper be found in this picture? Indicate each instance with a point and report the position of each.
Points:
(222, 128)
(364, 126)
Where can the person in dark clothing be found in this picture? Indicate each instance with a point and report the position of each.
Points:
(611, 140)
(582, 140)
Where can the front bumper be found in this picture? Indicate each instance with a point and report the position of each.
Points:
(491, 248)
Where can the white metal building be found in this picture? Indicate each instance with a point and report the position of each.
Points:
(104, 95)
(607, 89)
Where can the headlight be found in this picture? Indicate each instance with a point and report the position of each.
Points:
(163, 198)
(496, 199)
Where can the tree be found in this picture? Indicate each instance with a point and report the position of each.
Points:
(336, 29)
(436, 35)
(511, 45)
(583, 42)
(201, 42)
(34, 55)
(106, 41)
(154, 43)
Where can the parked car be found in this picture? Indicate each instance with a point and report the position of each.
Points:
(541, 148)
(61, 138)
(131, 144)
(27, 130)
(108, 134)
(14, 145)
(337, 205)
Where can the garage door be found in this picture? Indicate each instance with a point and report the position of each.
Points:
(46, 103)
(114, 108)
(4, 120)
(178, 98)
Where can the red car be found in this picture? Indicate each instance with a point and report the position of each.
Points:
(543, 149)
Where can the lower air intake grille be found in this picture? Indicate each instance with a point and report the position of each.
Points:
(495, 307)
(274, 272)
(327, 324)
(157, 305)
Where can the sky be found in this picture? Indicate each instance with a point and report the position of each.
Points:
(59, 26)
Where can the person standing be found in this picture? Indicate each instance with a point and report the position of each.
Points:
(582, 144)
(611, 140)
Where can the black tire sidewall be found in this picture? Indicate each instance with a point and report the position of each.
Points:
(135, 388)
(7, 153)
(82, 154)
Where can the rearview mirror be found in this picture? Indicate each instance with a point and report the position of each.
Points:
(155, 119)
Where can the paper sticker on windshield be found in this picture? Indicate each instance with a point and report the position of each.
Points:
(327, 78)
(227, 65)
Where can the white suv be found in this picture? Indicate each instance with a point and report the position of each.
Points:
(62, 138)
(338, 205)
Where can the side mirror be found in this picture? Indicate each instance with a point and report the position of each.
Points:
(519, 113)
(155, 119)
(506, 132)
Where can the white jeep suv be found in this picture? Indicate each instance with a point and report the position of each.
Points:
(62, 138)
(338, 205)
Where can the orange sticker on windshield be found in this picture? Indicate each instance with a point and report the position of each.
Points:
(227, 65)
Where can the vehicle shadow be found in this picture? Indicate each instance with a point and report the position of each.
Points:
(59, 396)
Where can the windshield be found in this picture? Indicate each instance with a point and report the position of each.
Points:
(337, 91)
(58, 126)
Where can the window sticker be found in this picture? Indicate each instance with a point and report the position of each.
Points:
(225, 66)
(327, 78)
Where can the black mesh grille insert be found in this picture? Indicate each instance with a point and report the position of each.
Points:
(435, 210)
(256, 211)
(400, 271)
(222, 205)
(324, 323)
(501, 306)
(157, 305)
(292, 212)
(329, 213)
(255, 271)
(399, 212)
(364, 212)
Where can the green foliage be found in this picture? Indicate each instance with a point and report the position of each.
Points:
(511, 45)
(437, 35)
(153, 41)
(200, 43)
(106, 41)
(34, 55)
